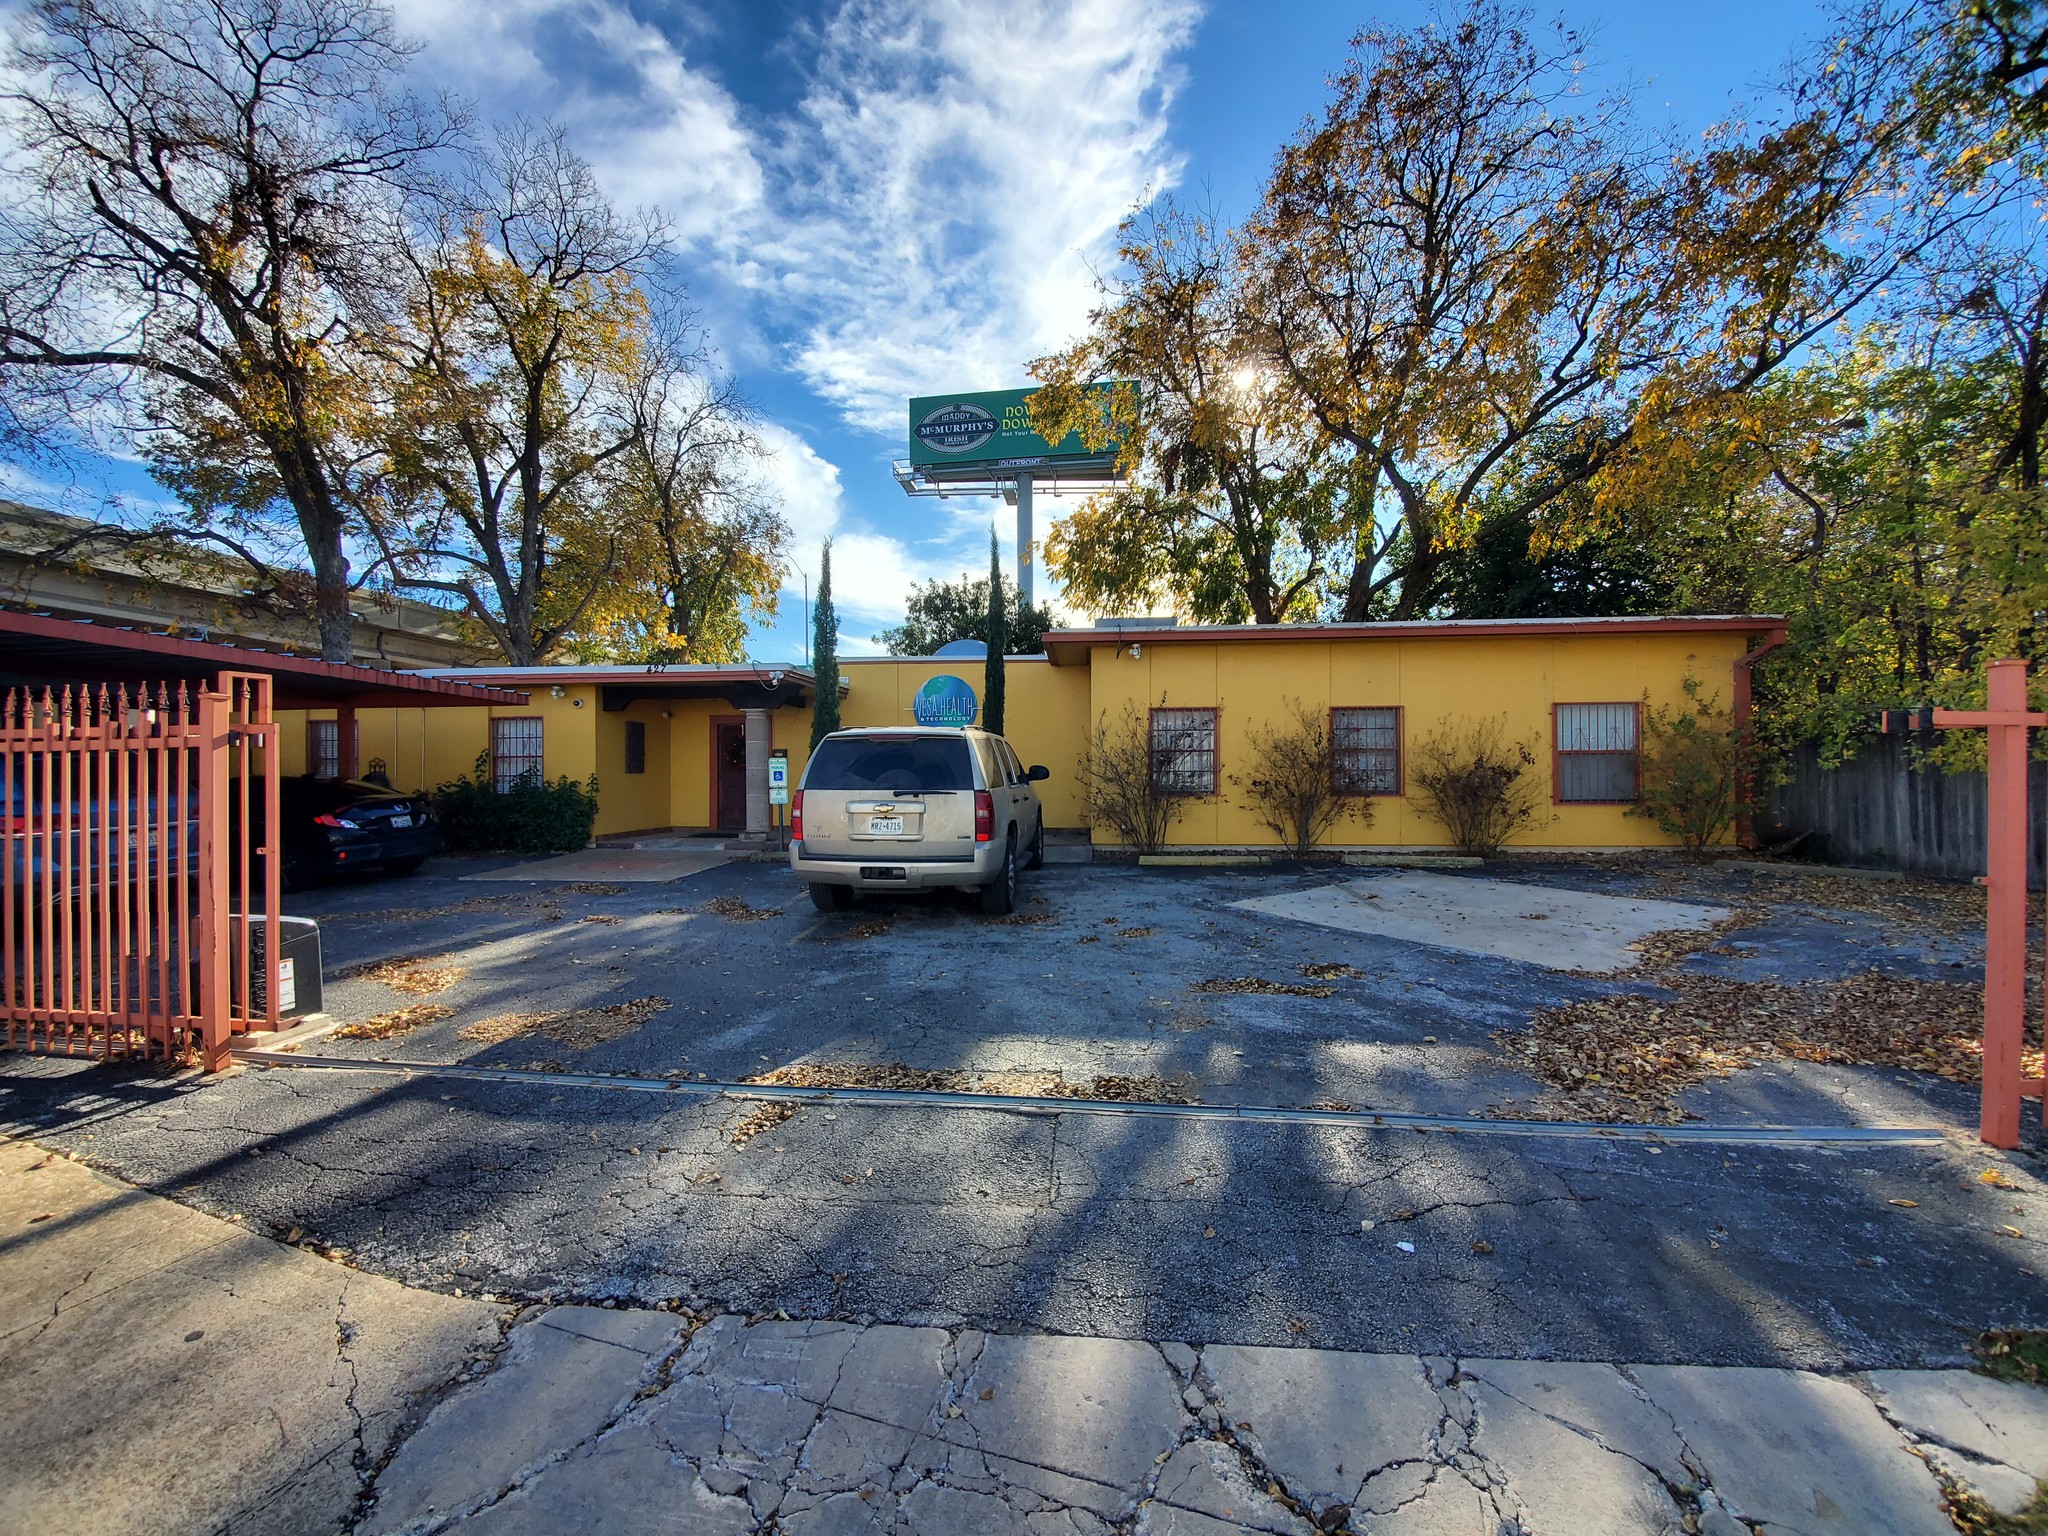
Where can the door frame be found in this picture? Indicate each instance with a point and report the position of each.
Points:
(717, 820)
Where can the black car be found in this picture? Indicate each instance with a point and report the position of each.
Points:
(333, 826)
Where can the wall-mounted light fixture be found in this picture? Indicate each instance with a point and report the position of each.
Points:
(555, 692)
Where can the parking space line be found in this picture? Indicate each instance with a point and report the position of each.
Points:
(1359, 1119)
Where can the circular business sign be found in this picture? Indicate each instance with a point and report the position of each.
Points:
(956, 428)
(944, 700)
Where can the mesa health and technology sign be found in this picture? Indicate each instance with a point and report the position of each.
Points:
(989, 429)
(945, 700)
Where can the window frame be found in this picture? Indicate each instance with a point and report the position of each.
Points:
(318, 755)
(1215, 748)
(500, 781)
(1558, 754)
(1399, 712)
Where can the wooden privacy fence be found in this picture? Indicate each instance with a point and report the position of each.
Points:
(1882, 809)
(139, 821)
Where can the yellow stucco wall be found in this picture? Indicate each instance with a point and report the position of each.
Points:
(1432, 679)
(1050, 710)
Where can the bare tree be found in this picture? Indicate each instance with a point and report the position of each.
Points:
(190, 242)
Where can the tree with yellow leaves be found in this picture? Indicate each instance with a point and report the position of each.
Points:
(1235, 503)
(514, 374)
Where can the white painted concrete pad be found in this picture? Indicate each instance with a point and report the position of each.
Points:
(1541, 924)
(629, 866)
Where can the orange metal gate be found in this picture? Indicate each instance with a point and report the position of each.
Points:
(139, 825)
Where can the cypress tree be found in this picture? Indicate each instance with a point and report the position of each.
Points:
(998, 642)
(825, 654)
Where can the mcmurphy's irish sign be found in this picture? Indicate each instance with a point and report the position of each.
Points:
(990, 429)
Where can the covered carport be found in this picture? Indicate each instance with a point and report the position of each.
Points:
(137, 885)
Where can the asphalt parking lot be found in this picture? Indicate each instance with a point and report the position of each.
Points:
(1452, 1240)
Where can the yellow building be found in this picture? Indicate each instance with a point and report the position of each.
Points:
(686, 747)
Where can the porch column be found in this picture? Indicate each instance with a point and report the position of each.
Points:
(757, 773)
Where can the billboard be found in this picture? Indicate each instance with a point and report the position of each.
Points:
(990, 429)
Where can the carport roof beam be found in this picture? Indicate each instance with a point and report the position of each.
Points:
(37, 649)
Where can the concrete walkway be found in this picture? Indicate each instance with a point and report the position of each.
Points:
(162, 1371)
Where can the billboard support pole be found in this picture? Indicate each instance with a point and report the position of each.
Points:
(1024, 551)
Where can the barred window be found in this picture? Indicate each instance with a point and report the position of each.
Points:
(323, 748)
(636, 746)
(515, 750)
(1596, 754)
(1365, 749)
(1184, 751)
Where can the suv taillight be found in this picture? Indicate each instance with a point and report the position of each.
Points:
(984, 816)
(796, 817)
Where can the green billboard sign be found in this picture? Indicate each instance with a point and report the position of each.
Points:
(990, 429)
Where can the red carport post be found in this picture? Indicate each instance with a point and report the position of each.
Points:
(2004, 722)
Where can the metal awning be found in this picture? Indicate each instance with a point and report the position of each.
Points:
(38, 651)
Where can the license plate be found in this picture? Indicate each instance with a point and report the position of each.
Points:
(880, 826)
(401, 821)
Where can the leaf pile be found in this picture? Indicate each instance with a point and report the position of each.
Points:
(766, 1118)
(2015, 1355)
(1023, 919)
(588, 888)
(738, 911)
(1629, 1056)
(401, 1021)
(578, 1028)
(1259, 985)
(866, 928)
(1181, 1088)
(414, 975)
(1331, 971)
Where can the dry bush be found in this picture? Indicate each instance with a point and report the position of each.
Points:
(1119, 786)
(1478, 784)
(1292, 786)
(1692, 770)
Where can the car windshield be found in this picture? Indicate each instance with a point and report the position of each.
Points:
(895, 765)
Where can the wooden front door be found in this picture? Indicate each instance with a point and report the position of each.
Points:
(729, 774)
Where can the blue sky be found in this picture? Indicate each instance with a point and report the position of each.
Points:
(879, 198)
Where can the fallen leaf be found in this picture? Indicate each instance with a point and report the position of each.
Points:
(1997, 1178)
(1208, 1231)
(2010, 1232)
(1482, 1246)
(1907, 1204)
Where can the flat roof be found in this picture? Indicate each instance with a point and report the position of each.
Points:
(1067, 647)
(38, 650)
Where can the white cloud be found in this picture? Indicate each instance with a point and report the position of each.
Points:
(658, 131)
(871, 572)
(954, 179)
(929, 215)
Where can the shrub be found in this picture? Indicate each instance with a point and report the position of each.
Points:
(1478, 784)
(1292, 786)
(1118, 784)
(1693, 770)
(533, 816)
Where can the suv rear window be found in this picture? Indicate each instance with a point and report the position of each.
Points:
(895, 765)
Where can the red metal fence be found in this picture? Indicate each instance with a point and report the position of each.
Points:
(137, 868)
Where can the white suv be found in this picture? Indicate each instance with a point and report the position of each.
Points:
(894, 808)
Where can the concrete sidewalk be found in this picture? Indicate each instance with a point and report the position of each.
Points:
(162, 1371)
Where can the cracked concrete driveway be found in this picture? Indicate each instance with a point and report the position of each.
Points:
(1446, 1243)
